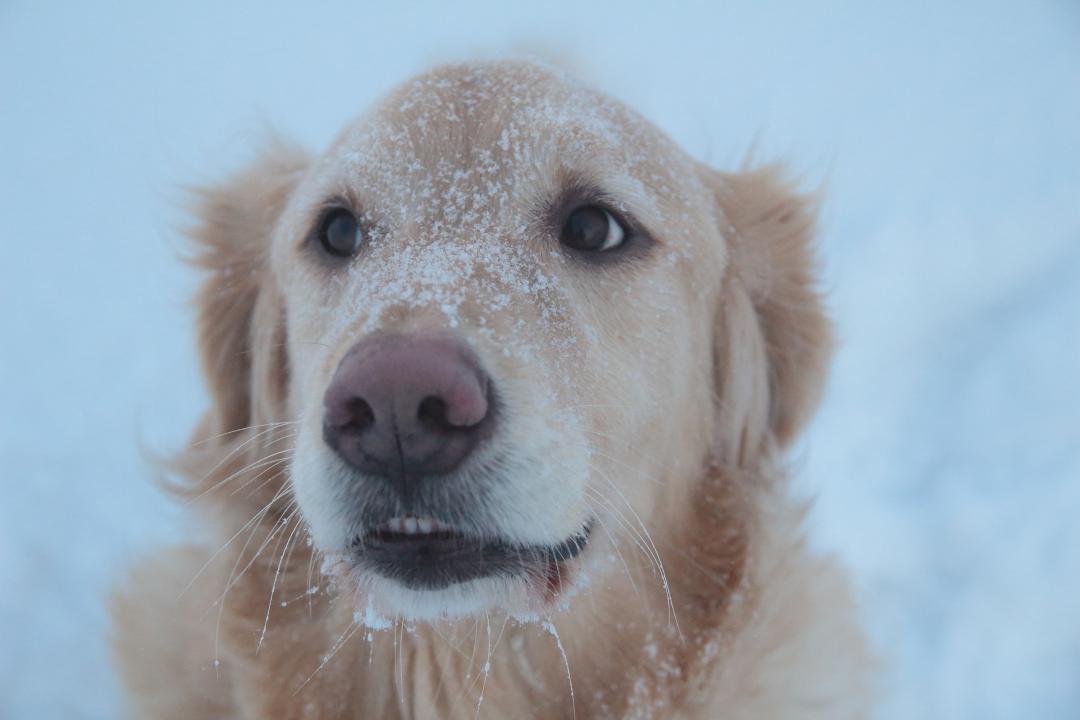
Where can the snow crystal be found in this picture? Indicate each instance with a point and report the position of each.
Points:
(371, 618)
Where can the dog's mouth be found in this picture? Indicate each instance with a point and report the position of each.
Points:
(423, 553)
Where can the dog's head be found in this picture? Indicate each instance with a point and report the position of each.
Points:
(509, 323)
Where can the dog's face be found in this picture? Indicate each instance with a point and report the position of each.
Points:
(500, 293)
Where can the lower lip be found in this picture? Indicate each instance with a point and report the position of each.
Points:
(438, 560)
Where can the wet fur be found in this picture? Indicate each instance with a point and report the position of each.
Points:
(743, 622)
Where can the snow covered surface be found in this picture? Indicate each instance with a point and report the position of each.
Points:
(946, 457)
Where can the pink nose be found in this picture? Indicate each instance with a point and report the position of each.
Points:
(404, 406)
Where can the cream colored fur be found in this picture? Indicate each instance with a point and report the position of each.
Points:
(679, 377)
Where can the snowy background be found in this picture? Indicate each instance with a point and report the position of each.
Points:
(946, 457)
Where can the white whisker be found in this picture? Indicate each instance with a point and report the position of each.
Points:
(342, 640)
(277, 575)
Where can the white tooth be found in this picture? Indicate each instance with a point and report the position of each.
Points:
(425, 525)
(410, 526)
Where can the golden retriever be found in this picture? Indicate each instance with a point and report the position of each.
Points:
(501, 385)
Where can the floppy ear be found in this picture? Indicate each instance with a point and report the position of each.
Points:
(774, 340)
(240, 317)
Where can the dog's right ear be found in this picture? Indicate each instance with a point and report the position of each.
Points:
(235, 221)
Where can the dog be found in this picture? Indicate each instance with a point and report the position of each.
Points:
(501, 386)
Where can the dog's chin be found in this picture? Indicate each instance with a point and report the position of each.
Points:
(436, 573)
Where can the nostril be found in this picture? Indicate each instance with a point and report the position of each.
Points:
(432, 414)
(357, 416)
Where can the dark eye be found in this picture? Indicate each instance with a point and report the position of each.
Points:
(592, 229)
(339, 233)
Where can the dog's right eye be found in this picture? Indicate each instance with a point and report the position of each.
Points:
(592, 229)
(339, 233)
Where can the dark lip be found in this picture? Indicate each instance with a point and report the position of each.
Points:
(438, 560)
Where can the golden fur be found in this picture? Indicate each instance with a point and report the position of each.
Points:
(699, 363)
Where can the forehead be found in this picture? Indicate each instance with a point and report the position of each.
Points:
(471, 142)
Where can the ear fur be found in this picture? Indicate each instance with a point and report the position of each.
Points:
(774, 339)
(240, 322)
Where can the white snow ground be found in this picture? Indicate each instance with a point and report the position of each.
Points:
(947, 453)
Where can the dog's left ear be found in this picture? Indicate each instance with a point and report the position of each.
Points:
(774, 340)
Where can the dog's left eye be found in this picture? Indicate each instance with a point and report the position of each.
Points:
(339, 233)
(592, 229)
